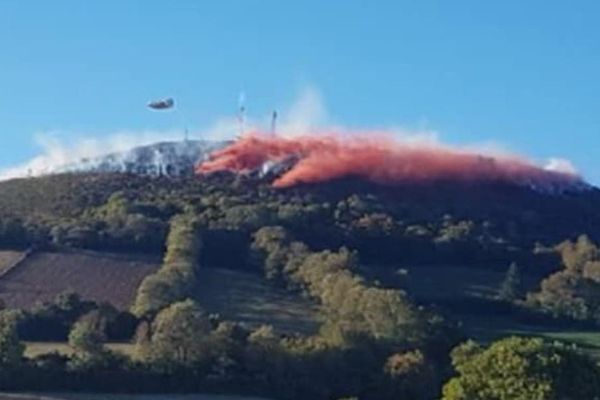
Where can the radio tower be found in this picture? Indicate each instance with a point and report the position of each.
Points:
(242, 120)
(242, 113)
(274, 123)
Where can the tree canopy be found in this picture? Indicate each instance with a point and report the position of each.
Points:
(521, 369)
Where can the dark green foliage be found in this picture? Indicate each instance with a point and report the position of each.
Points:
(11, 349)
(522, 369)
(353, 310)
(177, 338)
(374, 343)
(88, 333)
(53, 321)
(176, 278)
(87, 339)
(438, 223)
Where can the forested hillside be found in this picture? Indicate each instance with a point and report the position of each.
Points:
(130, 212)
(371, 287)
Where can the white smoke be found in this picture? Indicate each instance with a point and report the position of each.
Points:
(307, 114)
(56, 152)
(561, 165)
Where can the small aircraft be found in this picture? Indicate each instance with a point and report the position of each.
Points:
(163, 104)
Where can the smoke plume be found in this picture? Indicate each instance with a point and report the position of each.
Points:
(377, 158)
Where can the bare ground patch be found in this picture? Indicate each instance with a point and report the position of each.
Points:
(95, 276)
(8, 258)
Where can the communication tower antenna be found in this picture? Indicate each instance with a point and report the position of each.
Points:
(274, 123)
(242, 113)
(242, 120)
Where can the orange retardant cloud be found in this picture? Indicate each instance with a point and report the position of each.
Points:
(321, 158)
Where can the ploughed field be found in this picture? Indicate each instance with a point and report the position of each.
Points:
(101, 277)
(27, 279)
(234, 295)
(8, 258)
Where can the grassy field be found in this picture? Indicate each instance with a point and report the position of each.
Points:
(465, 293)
(441, 283)
(8, 258)
(488, 328)
(34, 349)
(249, 298)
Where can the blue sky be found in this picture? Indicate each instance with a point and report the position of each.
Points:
(523, 74)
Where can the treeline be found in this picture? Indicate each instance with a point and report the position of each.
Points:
(352, 308)
(52, 321)
(176, 279)
(573, 292)
(117, 225)
(386, 225)
(185, 350)
(568, 296)
(373, 343)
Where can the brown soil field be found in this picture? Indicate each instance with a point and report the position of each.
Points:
(101, 277)
(8, 258)
(114, 278)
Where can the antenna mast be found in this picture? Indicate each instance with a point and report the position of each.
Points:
(242, 120)
(274, 123)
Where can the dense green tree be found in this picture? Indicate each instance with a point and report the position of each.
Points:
(522, 369)
(89, 333)
(178, 336)
(161, 289)
(248, 217)
(183, 241)
(11, 349)
(274, 250)
(176, 278)
(87, 339)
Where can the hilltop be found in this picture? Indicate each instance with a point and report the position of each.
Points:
(320, 272)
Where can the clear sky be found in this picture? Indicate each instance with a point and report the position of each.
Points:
(524, 74)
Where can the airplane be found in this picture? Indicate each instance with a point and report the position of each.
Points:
(163, 104)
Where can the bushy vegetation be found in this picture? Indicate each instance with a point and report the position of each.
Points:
(352, 308)
(175, 280)
(522, 369)
(413, 223)
(374, 341)
(574, 291)
(53, 321)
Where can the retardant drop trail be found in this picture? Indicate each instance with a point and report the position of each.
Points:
(324, 157)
